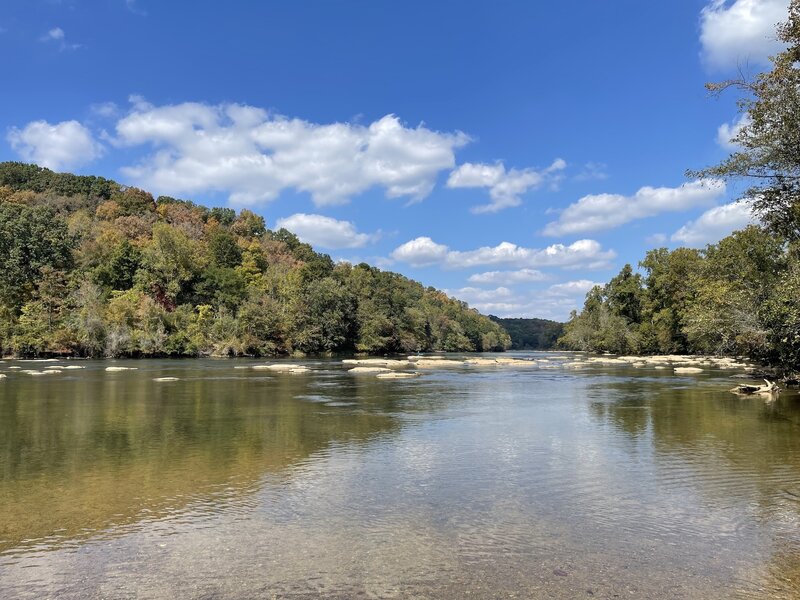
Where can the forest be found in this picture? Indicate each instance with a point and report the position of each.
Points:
(531, 334)
(740, 296)
(94, 268)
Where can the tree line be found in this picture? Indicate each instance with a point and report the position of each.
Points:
(95, 268)
(742, 295)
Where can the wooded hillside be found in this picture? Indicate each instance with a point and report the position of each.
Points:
(95, 268)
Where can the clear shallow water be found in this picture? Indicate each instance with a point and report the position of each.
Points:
(493, 483)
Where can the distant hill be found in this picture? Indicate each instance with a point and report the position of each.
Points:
(531, 334)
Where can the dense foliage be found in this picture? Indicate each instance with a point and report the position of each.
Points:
(94, 268)
(531, 334)
(742, 295)
(735, 297)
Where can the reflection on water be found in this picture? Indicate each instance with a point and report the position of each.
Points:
(536, 483)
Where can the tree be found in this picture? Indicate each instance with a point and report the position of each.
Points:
(31, 238)
(768, 154)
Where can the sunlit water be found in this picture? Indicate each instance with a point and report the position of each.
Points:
(477, 482)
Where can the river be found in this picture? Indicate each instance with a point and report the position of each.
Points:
(601, 482)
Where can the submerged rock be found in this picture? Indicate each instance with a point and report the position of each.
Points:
(438, 363)
(403, 375)
(166, 379)
(377, 362)
(368, 370)
(279, 368)
(114, 369)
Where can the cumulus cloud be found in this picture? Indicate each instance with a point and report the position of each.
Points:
(253, 155)
(743, 30)
(326, 232)
(507, 277)
(505, 187)
(474, 296)
(572, 288)
(599, 212)
(534, 304)
(727, 132)
(715, 224)
(423, 251)
(64, 145)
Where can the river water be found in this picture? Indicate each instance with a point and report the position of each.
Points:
(603, 482)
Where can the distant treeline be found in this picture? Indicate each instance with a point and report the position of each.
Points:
(531, 334)
(95, 268)
(738, 297)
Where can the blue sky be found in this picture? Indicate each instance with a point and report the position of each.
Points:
(509, 152)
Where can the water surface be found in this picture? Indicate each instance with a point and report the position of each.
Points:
(490, 482)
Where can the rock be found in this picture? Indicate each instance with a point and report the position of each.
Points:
(688, 370)
(403, 375)
(438, 363)
(166, 379)
(72, 367)
(279, 367)
(377, 362)
(482, 362)
(115, 369)
(368, 370)
(3, 376)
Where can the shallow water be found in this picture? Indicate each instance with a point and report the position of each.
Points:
(489, 482)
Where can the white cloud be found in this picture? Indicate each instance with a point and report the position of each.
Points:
(534, 305)
(505, 187)
(63, 145)
(715, 224)
(423, 251)
(253, 155)
(572, 288)
(727, 132)
(326, 232)
(732, 33)
(598, 212)
(507, 277)
(474, 296)
(555, 302)
(55, 34)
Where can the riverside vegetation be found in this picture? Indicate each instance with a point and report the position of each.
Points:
(95, 268)
(740, 296)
